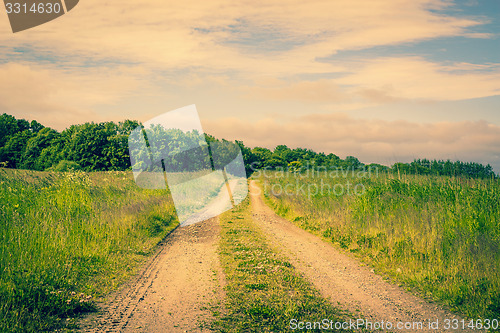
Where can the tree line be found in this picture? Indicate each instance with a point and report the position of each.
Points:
(445, 168)
(105, 146)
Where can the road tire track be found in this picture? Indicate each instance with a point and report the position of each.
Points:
(174, 290)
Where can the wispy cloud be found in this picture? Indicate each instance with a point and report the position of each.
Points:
(415, 78)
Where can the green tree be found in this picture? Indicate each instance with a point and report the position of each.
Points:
(14, 148)
(35, 126)
(283, 153)
(32, 157)
(8, 127)
(248, 157)
(352, 162)
(261, 155)
(90, 146)
(117, 151)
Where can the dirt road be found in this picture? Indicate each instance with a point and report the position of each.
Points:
(342, 278)
(171, 293)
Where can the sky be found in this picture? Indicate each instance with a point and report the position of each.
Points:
(382, 80)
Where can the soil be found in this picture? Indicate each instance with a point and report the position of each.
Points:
(173, 293)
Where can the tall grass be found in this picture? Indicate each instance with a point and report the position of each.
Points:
(66, 238)
(439, 235)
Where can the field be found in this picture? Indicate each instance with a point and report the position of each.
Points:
(68, 238)
(440, 236)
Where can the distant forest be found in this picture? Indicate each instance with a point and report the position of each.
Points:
(104, 146)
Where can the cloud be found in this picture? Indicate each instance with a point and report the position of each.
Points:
(414, 78)
(215, 34)
(59, 97)
(378, 96)
(370, 140)
(320, 91)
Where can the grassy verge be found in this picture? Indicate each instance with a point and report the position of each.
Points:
(264, 292)
(66, 238)
(439, 235)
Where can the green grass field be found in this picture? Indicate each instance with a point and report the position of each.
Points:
(67, 238)
(437, 235)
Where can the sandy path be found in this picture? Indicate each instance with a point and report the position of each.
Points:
(342, 279)
(172, 292)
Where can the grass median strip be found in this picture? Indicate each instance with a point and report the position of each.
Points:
(264, 293)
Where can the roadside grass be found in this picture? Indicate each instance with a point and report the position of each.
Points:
(263, 290)
(67, 238)
(438, 235)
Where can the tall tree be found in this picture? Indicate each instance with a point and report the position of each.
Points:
(32, 157)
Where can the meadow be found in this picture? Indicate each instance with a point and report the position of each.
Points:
(437, 235)
(67, 238)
